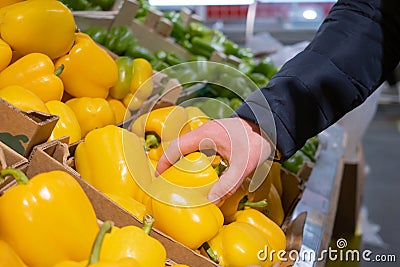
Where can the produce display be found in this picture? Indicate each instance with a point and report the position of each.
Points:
(89, 5)
(95, 80)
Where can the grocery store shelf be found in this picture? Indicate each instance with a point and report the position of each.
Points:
(321, 196)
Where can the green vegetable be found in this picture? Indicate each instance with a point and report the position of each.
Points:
(104, 4)
(119, 38)
(179, 31)
(77, 5)
(138, 51)
(123, 85)
(266, 66)
(259, 79)
(98, 34)
(173, 59)
(216, 108)
(235, 102)
(231, 48)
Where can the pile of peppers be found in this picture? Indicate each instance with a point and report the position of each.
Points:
(77, 240)
(64, 72)
(181, 191)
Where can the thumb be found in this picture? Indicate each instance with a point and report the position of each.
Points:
(227, 184)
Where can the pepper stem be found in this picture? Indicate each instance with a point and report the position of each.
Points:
(152, 141)
(210, 252)
(148, 221)
(59, 70)
(245, 203)
(18, 175)
(95, 253)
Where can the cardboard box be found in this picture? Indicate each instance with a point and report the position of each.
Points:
(22, 130)
(9, 158)
(57, 156)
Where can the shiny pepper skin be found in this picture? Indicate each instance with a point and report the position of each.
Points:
(42, 26)
(54, 217)
(276, 237)
(237, 244)
(141, 85)
(8, 256)
(108, 159)
(9, 2)
(5, 55)
(67, 125)
(91, 113)
(196, 220)
(35, 72)
(133, 242)
(22, 98)
(89, 70)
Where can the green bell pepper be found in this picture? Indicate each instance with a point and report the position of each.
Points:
(199, 29)
(266, 66)
(105, 5)
(97, 33)
(216, 108)
(295, 162)
(119, 38)
(179, 31)
(231, 48)
(173, 59)
(235, 102)
(138, 51)
(309, 149)
(125, 70)
(80, 5)
(259, 79)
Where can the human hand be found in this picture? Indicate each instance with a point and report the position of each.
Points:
(234, 139)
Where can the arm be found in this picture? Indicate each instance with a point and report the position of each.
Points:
(355, 48)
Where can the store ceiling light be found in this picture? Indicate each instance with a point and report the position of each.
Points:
(310, 14)
(199, 3)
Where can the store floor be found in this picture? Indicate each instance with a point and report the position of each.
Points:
(381, 144)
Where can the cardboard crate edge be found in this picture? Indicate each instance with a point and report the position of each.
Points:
(22, 130)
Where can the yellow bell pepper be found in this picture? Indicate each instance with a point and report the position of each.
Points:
(36, 73)
(141, 85)
(196, 117)
(276, 237)
(113, 160)
(44, 26)
(53, 215)
(193, 170)
(9, 2)
(94, 260)
(196, 220)
(130, 204)
(238, 201)
(159, 127)
(22, 98)
(89, 70)
(91, 113)
(274, 210)
(8, 256)
(5, 54)
(67, 124)
(120, 111)
(236, 245)
(275, 174)
(134, 242)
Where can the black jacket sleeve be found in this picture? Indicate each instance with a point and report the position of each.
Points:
(356, 46)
